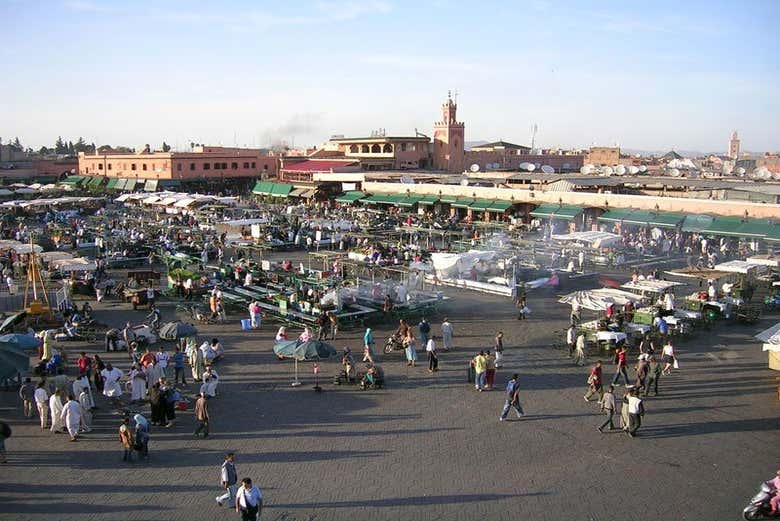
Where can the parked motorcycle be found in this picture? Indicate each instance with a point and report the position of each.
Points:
(759, 506)
(394, 344)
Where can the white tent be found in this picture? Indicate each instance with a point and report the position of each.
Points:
(737, 266)
(651, 286)
(598, 299)
(592, 239)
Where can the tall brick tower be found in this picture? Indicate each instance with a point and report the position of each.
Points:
(734, 146)
(448, 136)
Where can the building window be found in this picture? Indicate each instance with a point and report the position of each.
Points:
(132, 166)
(192, 166)
(246, 164)
(206, 166)
(216, 166)
(403, 147)
(376, 149)
(353, 149)
(109, 166)
(100, 166)
(254, 165)
(224, 166)
(178, 167)
(265, 167)
(364, 149)
(388, 149)
(234, 166)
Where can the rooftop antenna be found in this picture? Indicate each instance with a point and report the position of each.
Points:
(456, 97)
(533, 136)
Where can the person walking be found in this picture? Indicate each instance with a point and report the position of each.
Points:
(368, 346)
(480, 368)
(668, 358)
(446, 334)
(512, 398)
(202, 415)
(141, 443)
(42, 403)
(86, 410)
(228, 478)
(161, 359)
(642, 369)
(425, 331)
(178, 367)
(411, 347)
(27, 394)
(254, 314)
(594, 382)
(55, 408)
(433, 356)
(490, 372)
(579, 355)
(126, 439)
(654, 370)
(249, 501)
(499, 348)
(333, 318)
(71, 417)
(621, 357)
(608, 408)
(636, 411)
(571, 339)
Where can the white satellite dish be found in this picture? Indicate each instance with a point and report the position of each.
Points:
(674, 172)
(523, 165)
(633, 170)
(567, 166)
(464, 182)
(530, 167)
(776, 176)
(607, 170)
(584, 170)
(474, 168)
(643, 168)
(496, 166)
(740, 171)
(547, 169)
(407, 180)
(620, 170)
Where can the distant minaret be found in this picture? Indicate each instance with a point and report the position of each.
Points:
(448, 139)
(734, 146)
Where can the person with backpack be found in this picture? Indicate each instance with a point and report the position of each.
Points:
(512, 398)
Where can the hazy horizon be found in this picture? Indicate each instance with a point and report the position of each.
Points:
(650, 77)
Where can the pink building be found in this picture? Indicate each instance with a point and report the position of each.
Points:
(202, 162)
(385, 152)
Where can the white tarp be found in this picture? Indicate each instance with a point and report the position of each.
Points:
(764, 260)
(76, 264)
(652, 286)
(593, 239)
(736, 266)
(770, 336)
(452, 265)
(598, 299)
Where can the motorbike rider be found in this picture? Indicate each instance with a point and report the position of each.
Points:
(154, 316)
(775, 501)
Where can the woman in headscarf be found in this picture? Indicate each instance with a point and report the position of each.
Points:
(156, 403)
(137, 384)
(141, 436)
(368, 345)
(281, 334)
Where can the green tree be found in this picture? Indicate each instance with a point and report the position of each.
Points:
(17, 145)
(166, 147)
(71, 149)
(60, 147)
(44, 151)
(80, 145)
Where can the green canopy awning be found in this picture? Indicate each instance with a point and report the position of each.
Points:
(72, 179)
(500, 206)
(112, 183)
(616, 215)
(480, 205)
(758, 228)
(463, 202)
(376, 199)
(408, 201)
(774, 234)
(696, 222)
(167, 183)
(45, 179)
(350, 197)
(429, 200)
(557, 211)
(151, 185)
(96, 181)
(724, 227)
(281, 189)
(449, 198)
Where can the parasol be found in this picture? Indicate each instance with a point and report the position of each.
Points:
(177, 330)
(297, 350)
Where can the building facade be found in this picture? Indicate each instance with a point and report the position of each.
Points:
(603, 156)
(202, 162)
(383, 152)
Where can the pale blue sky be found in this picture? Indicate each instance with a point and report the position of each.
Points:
(644, 74)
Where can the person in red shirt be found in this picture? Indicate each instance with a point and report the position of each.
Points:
(147, 358)
(594, 382)
(622, 362)
(85, 364)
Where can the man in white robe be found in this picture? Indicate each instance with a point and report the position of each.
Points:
(210, 381)
(111, 376)
(82, 384)
(55, 408)
(71, 416)
(86, 414)
(137, 384)
(153, 374)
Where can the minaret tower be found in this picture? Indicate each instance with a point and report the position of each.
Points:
(448, 139)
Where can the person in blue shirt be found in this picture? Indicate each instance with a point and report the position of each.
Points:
(178, 367)
(512, 398)
(368, 346)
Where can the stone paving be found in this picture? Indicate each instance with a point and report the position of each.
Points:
(427, 446)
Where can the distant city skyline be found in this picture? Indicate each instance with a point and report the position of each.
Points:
(665, 75)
